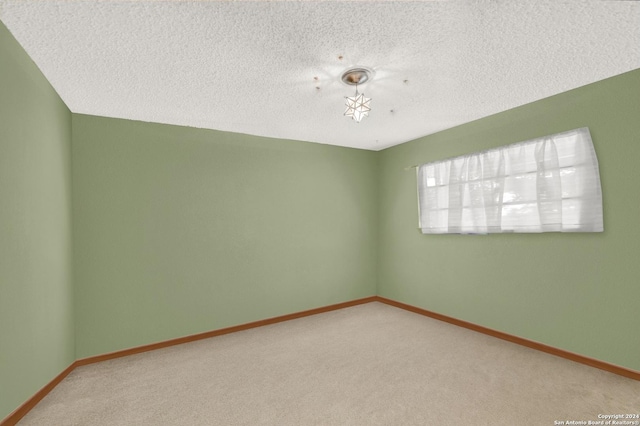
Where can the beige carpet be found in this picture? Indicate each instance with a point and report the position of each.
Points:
(371, 364)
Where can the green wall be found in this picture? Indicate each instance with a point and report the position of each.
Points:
(578, 292)
(181, 230)
(36, 295)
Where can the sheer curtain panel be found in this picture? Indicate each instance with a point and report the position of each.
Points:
(550, 184)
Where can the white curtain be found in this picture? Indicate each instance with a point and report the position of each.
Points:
(550, 184)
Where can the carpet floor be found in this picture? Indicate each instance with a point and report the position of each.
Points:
(370, 364)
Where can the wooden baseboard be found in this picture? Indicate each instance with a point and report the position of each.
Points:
(622, 371)
(219, 332)
(21, 411)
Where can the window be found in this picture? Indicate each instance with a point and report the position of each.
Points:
(550, 184)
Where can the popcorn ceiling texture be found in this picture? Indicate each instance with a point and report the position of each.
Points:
(272, 68)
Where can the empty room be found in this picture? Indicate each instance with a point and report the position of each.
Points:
(319, 212)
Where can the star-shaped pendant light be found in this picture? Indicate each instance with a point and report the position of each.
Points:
(358, 106)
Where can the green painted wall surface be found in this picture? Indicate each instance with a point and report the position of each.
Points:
(181, 230)
(578, 292)
(36, 295)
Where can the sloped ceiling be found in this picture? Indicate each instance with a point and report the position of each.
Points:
(272, 68)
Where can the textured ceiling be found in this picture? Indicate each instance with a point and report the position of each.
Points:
(272, 68)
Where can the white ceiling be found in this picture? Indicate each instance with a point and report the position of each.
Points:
(272, 68)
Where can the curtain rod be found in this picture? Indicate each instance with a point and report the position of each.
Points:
(415, 166)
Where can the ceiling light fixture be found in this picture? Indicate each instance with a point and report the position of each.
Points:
(358, 106)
